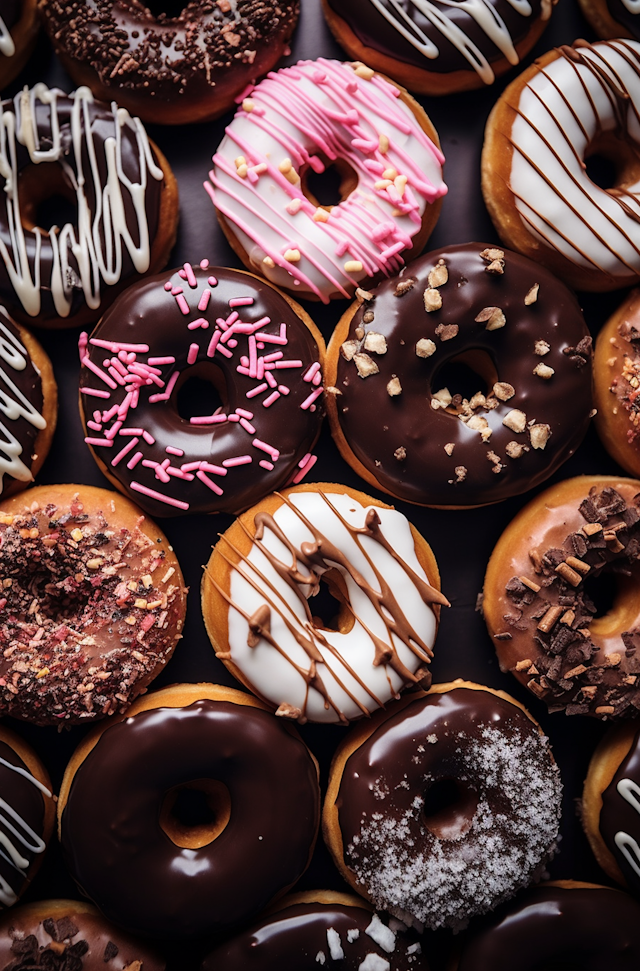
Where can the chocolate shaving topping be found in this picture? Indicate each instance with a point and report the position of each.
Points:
(110, 951)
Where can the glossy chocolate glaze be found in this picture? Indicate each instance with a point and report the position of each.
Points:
(377, 425)
(620, 816)
(584, 928)
(70, 939)
(295, 936)
(389, 776)
(27, 801)
(17, 368)
(621, 13)
(148, 314)
(110, 824)
(374, 30)
(102, 127)
(10, 11)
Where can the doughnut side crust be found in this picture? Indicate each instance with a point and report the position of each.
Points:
(616, 370)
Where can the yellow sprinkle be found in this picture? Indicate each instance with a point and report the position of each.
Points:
(241, 160)
(383, 144)
(353, 266)
(142, 604)
(268, 262)
(130, 620)
(292, 256)
(76, 534)
(94, 564)
(132, 585)
(42, 672)
(285, 165)
(382, 183)
(390, 174)
(34, 532)
(248, 104)
(321, 215)
(5, 519)
(146, 580)
(364, 72)
(154, 604)
(400, 182)
(242, 171)
(168, 574)
(292, 176)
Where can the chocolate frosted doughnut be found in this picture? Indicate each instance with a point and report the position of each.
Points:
(120, 185)
(69, 935)
(260, 350)
(394, 407)
(478, 752)
(320, 927)
(439, 47)
(543, 576)
(158, 874)
(560, 924)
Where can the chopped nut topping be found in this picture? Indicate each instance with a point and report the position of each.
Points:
(525, 664)
(543, 371)
(268, 262)
(532, 295)
(480, 424)
(478, 401)
(447, 331)
(441, 399)
(366, 365)
(439, 275)
(332, 390)
(461, 473)
(76, 534)
(375, 342)
(400, 453)
(394, 387)
(492, 317)
(541, 348)
(368, 317)
(359, 333)
(364, 294)
(495, 259)
(349, 350)
(425, 347)
(404, 286)
(449, 447)
(539, 435)
(515, 420)
(568, 617)
(94, 564)
(292, 256)
(602, 709)
(503, 391)
(288, 711)
(366, 73)
(432, 300)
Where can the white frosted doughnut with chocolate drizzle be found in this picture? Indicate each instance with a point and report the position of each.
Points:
(267, 566)
(303, 119)
(572, 103)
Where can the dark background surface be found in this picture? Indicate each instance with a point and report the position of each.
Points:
(462, 540)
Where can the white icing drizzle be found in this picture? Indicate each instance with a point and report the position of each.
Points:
(7, 47)
(633, 6)
(96, 243)
(15, 830)
(14, 405)
(481, 11)
(561, 110)
(353, 683)
(630, 791)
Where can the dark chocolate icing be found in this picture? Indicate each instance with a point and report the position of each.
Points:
(20, 422)
(26, 803)
(581, 927)
(295, 937)
(148, 314)
(374, 30)
(401, 440)
(621, 13)
(620, 816)
(437, 866)
(126, 863)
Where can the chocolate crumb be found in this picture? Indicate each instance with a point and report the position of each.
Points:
(447, 332)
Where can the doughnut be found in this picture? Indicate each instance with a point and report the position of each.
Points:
(92, 604)
(616, 374)
(370, 559)
(26, 818)
(320, 927)
(565, 923)
(612, 18)
(169, 70)
(526, 399)
(69, 935)
(261, 355)
(611, 804)
(73, 153)
(28, 406)
(341, 119)
(444, 806)
(547, 594)
(432, 49)
(571, 103)
(251, 786)
(19, 27)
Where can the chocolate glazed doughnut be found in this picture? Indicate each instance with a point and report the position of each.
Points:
(144, 865)
(392, 399)
(561, 924)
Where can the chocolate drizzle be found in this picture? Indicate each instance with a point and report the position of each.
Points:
(620, 816)
(21, 402)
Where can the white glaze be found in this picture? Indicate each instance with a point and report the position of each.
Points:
(98, 261)
(14, 405)
(16, 837)
(295, 110)
(7, 47)
(272, 673)
(628, 846)
(560, 112)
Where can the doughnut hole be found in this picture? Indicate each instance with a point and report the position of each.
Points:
(464, 375)
(331, 187)
(195, 814)
(164, 10)
(612, 162)
(449, 808)
(46, 197)
(200, 390)
(615, 598)
(329, 606)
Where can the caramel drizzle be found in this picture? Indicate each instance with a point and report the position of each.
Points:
(319, 554)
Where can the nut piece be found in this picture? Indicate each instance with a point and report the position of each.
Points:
(441, 399)
(449, 447)
(543, 371)
(432, 300)
(425, 347)
(349, 349)
(439, 275)
(495, 259)
(480, 424)
(532, 295)
(514, 450)
(539, 435)
(493, 317)
(516, 420)
(375, 342)
(447, 331)
(288, 711)
(461, 473)
(400, 453)
(363, 294)
(503, 391)
(541, 348)
(404, 286)
(366, 365)
(394, 387)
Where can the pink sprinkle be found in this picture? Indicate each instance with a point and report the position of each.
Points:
(269, 449)
(261, 323)
(176, 291)
(276, 356)
(241, 302)
(115, 346)
(244, 360)
(191, 280)
(221, 323)
(94, 393)
(212, 281)
(168, 285)
(161, 474)
(190, 466)
(148, 437)
(233, 418)
(252, 358)
(255, 391)
(137, 487)
(209, 482)
(208, 420)
(99, 441)
(303, 461)
(271, 339)
(204, 299)
(391, 251)
(131, 464)
(131, 431)
(108, 415)
(224, 350)
(283, 389)
(94, 426)
(260, 369)
(149, 464)
(204, 264)
(238, 460)
(252, 176)
(193, 353)
(183, 274)
(125, 451)
(200, 322)
(288, 364)
(182, 303)
(233, 342)
(299, 476)
(118, 365)
(113, 431)
(179, 474)
(382, 232)
(231, 319)
(88, 363)
(213, 343)
(283, 331)
(164, 396)
(312, 397)
(317, 378)
(170, 449)
(309, 374)
(264, 464)
(124, 407)
(162, 360)
(271, 399)
(244, 414)
(271, 381)
(97, 415)
(239, 369)
(248, 427)
(341, 248)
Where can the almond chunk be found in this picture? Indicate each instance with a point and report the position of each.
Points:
(432, 300)
(543, 371)
(516, 420)
(366, 365)
(539, 435)
(439, 275)
(541, 348)
(349, 349)
(503, 391)
(532, 295)
(376, 343)
(394, 387)
(425, 347)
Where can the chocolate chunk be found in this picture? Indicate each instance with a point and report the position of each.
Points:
(110, 951)
(579, 544)
(588, 509)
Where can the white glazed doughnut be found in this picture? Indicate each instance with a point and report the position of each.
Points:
(306, 118)
(573, 102)
(267, 566)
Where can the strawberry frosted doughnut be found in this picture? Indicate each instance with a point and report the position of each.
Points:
(300, 121)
